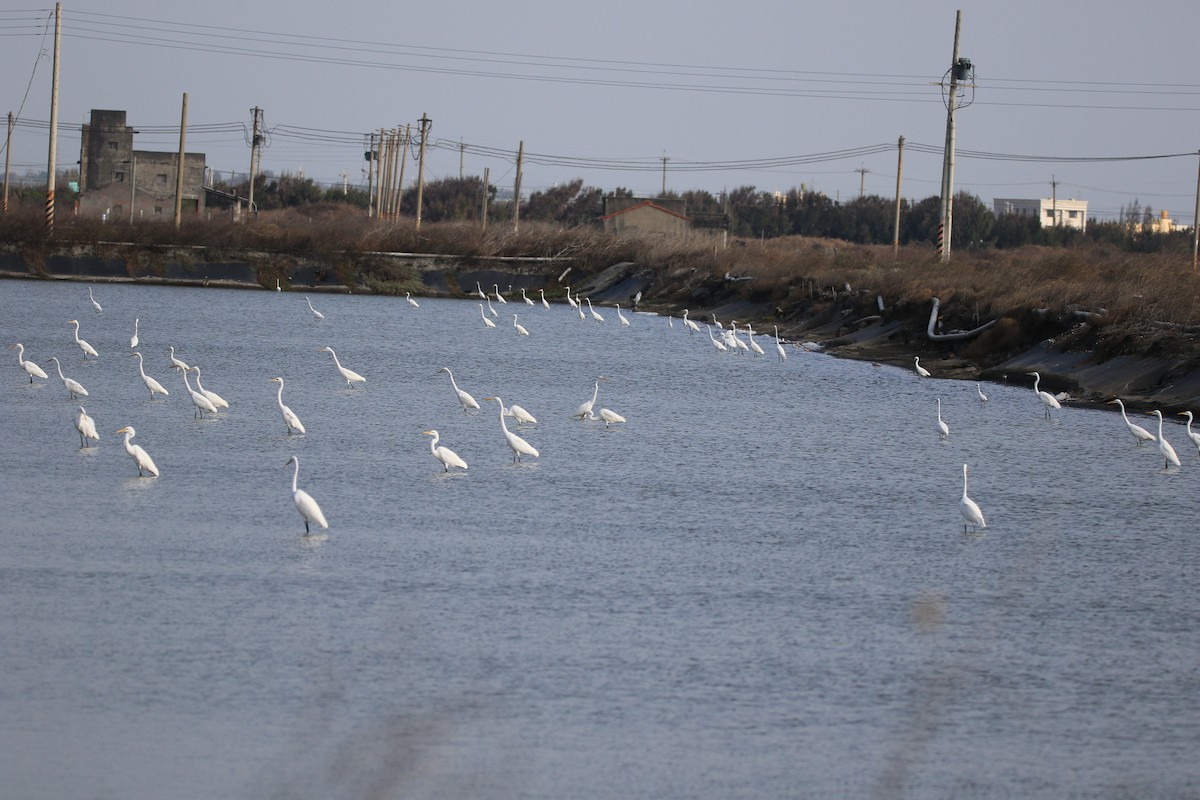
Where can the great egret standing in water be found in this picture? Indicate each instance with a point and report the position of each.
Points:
(289, 417)
(522, 416)
(608, 416)
(779, 346)
(624, 320)
(177, 363)
(717, 344)
(140, 457)
(487, 323)
(1140, 434)
(943, 428)
(448, 457)
(570, 299)
(74, 388)
(463, 397)
(213, 397)
(518, 445)
(545, 302)
(687, 323)
(308, 508)
(595, 314)
(499, 297)
(316, 314)
(351, 377)
(924, 373)
(491, 309)
(201, 402)
(133, 340)
(1164, 447)
(32, 369)
(520, 328)
(525, 297)
(411, 302)
(982, 396)
(479, 291)
(87, 349)
(585, 409)
(86, 427)
(970, 509)
(95, 305)
(1195, 437)
(154, 386)
(1049, 401)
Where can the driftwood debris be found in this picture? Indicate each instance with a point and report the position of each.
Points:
(953, 336)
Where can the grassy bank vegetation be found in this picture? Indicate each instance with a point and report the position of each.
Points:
(1119, 286)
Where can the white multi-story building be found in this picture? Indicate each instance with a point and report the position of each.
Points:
(1050, 212)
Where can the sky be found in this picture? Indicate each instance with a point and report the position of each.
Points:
(1091, 100)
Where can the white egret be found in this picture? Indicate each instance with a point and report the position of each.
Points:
(448, 457)
(463, 397)
(491, 309)
(585, 409)
(522, 416)
(670, 322)
(545, 302)
(499, 297)
(518, 445)
(87, 349)
(717, 344)
(351, 377)
(943, 428)
(140, 457)
(924, 373)
(758, 351)
(33, 370)
(624, 320)
(1049, 401)
(579, 310)
(175, 362)
(133, 340)
(982, 396)
(1140, 434)
(487, 323)
(316, 314)
(520, 328)
(687, 323)
(308, 508)
(1164, 447)
(213, 397)
(86, 427)
(716, 321)
(411, 302)
(609, 417)
(201, 402)
(95, 305)
(779, 346)
(289, 417)
(595, 314)
(479, 291)
(738, 343)
(970, 509)
(570, 299)
(154, 386)
(278, 288)
(1195, 437)
(525, 297)
(74, 388)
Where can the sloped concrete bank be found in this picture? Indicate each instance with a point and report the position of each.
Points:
(1148, 365)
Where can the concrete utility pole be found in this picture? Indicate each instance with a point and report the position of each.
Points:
(462, 151)
(7, 160)
(426, 122)
(1196, 221)
(370, 154)
(896, 223)
(664, 189)
(862, 179)
(182, 163)
(485, 199)
(517, 187)
(50, 166)
(1054, 200)
(402, 155)
(944, 229)
(255, 143)
(132, 185)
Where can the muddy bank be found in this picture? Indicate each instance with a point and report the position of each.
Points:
(1089, 357)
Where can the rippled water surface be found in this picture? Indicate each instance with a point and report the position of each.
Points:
(757, 587)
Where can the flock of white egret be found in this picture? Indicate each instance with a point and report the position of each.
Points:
(727, 339)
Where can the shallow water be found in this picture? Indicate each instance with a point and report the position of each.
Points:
(757, 587)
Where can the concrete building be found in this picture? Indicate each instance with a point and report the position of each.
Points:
(121, 183)
(663, 215)
(1070, 213)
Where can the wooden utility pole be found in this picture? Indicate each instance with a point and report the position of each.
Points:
(50, 166)
(425, 123)
(7, 160)
(370, 158)
(517, 187)
(896, 222)
(255, 143)
(1196, 221)
(402, 156)
(182, 164)
(947, 216)
(483, 216)
(387, 147)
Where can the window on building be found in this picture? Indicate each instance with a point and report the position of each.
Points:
(1049, 213)
(1073, 214)
(118, 176)
(161, 177)
(158, 209)
(114, 146)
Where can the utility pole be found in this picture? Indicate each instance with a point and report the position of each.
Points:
(425, 123)
(402, 156)
(946, 225)
(132, 185)
(7, 160)
(664, 188)
(862, 178)
(182, 162)
(1054, 200)
(345, 184)
(255, 143)
(1196, 221)
(370, 155)
(485, 198)
(462, 150)
(517, 187)
(899, 172)
(50, 166)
